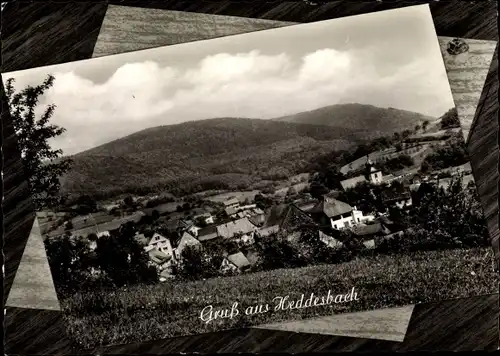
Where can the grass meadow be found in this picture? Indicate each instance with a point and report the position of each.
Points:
(146, 312)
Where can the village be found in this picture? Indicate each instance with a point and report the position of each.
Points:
(167, 228)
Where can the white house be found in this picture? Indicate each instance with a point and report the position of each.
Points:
(160, 243)
(337, 214)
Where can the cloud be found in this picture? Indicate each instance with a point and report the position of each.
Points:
(141, 95)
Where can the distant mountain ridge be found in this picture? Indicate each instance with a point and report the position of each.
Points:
(220, 153)
(351, 116)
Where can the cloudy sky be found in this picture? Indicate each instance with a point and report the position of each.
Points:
(387, 59)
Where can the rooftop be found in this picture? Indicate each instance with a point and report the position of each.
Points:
(231, 228)
(239, 260)
(231, 201)
(331, 207)
(351, 182)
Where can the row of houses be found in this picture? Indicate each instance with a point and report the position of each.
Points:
(327, 212)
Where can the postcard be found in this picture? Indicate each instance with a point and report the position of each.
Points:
(272, 176)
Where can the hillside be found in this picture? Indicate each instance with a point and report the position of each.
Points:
(353, 116)
(221, 153)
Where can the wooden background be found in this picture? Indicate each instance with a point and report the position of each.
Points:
(37, 34)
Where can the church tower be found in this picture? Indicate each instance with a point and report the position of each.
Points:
(373, 174)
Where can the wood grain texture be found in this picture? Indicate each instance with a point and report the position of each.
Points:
(467, 73)
(452, 18)
(127, 29)
(433, 327)
(33, 286)
(483, 150)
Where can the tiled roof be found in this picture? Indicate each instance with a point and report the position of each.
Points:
(231, 228)
(352, 182)
(158, 256)
(269, 230)
(231, 202)
(231, 210)
(207, 233)
(238, 259)
(331, 207)
(372, 229)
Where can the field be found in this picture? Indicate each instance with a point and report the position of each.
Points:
(241, 196)
(143, 313)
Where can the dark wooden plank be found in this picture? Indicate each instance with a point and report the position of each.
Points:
(38, 34)
(31, 331)
(452, 18)
(71, 31)
(483, 149)
(35, 34)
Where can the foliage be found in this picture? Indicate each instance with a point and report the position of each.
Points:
(365, 196)
(117, 260)
(330, 177)
(450, 119)
(452, 154)
(317, 190)
(200, 263)
(451, 216)
(43, 165)
(398, 163)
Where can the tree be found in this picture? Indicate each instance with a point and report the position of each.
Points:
(425, 125)
(417, 128)
(451, 216)
(330, 177)
(405, 134)
(198, 263)
(450, 119)
(317, 190)
(43, 165)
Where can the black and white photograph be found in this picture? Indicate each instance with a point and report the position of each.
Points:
(277, 175)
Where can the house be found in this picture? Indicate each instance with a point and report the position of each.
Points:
(306, 205)
(231, 203)
(367, 234)
(236, 262)
(141, 239)
(241, 226)
(160, 243)
(189, 226)
(165, 275)
(337, 214)
(329, 240)
(399, 198)
(186, 240)
(160, 259)
(257, 218)
(352, 182)
(267, 231)
(207, 218)
(207, 233)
